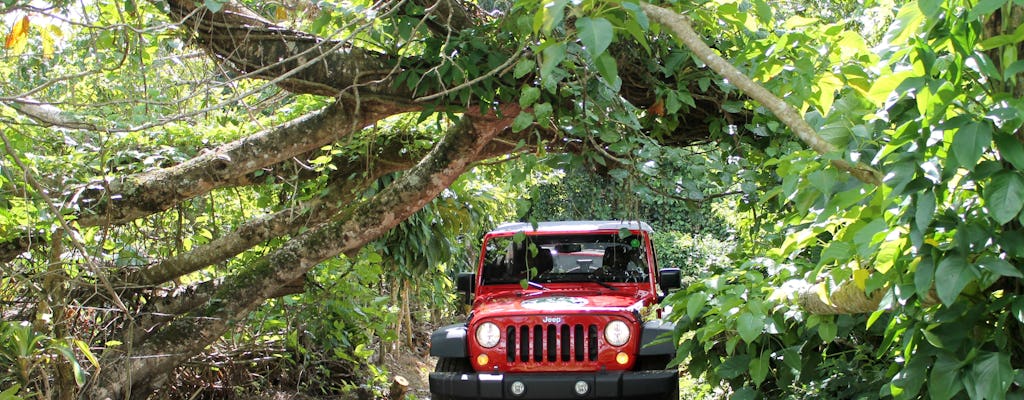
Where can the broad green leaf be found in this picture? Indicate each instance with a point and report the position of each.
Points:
(528, 96)
(955, 274)
(1010, 149)
(734, 366)
(999, 267)
(969, 142)
(595, 33)
(759, 368)
(523, 67)
(944, 381)
(749, 326)
(1004, 196)
(744, 393)
(694, 305)
(992, 375)
(885, 85)
(522, 121)
(907, 22)
(551, 57)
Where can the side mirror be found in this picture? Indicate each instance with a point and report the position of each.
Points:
(671, 279)
(466, 282)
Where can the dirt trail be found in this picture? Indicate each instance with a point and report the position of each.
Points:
(414, 366)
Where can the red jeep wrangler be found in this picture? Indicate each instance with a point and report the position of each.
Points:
(558, 313)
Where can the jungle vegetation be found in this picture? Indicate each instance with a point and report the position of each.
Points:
(289, 186)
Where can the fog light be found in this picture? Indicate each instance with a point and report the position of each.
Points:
(482, 360)
(622, 358)
(518, 388)
(581, 387)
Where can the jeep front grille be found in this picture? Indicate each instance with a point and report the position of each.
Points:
(551, 343)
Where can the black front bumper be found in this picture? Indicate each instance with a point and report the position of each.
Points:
(601, 385)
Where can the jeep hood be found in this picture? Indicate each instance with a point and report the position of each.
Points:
(554, 302)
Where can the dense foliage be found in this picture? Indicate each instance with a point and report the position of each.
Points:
(325, 248)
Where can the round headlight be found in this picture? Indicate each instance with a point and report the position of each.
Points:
(616, 333)
(488, 334)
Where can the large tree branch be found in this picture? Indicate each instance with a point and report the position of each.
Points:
(340, 193)
(151, 361)
(680, 26)
(116, 201)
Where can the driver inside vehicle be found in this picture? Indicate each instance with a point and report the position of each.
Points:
(617, 262)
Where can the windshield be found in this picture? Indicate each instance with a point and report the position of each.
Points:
(564, 258)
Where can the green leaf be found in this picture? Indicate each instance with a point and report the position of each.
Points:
(11, 393)
(759, 368)
(694, 305)
(930, 7)
(1010, 149)
(551, 57)
(925, 210)
(528, 96)
(214, 5)
(542, 111)
(969, 142)
(734, 366)
(1004, 196)
(991, 375)
(985, 7)
(827, 329)
(609, 70)
(923, 277)
(595, 33)
(944, 381)
(750, 326)
(956, 273)
(999, 267)
(523, 67)
(1018, 309)
(522, 121)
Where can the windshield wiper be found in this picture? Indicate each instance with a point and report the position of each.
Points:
(592, 278)
(536, 285)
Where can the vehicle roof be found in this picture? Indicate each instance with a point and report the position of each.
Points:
(572, 226)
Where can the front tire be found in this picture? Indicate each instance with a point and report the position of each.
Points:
(654, 363)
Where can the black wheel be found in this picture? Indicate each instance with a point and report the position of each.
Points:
(445, 364)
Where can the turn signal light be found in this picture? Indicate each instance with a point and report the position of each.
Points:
(482, 360)
(622, 358)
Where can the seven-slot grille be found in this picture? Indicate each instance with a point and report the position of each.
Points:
(551, 343)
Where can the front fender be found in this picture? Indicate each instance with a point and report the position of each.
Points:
(651, 331)
(449, 341)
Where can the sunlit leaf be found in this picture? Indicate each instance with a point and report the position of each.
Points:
(749, 326)
(18, 36)
(595, 33)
